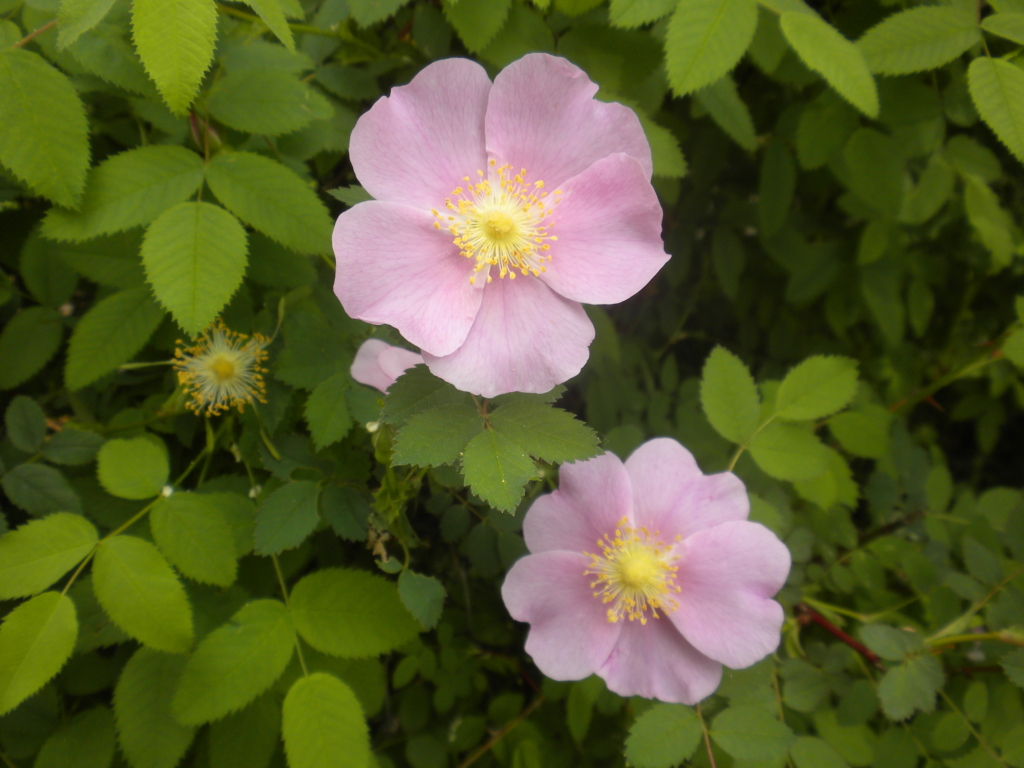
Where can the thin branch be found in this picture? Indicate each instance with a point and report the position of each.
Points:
(808, 614)
(707, 739)
(974, 732)
(33, 35)
(483, 750)
(284, 592)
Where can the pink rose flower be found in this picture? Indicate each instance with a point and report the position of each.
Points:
(378, 364)
(499, 208)
(648, 574)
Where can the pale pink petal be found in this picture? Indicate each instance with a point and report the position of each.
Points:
(608, 225)
(395, 268)
(377, 364)
(541, 115)
(592, 498)
(394, 361)
(727, 576)
(653, 660)
(671, 495)
(570, 635)
(526, 338)
(416, 145)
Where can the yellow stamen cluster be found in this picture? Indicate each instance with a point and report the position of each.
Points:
(223, 369)
(502, 220)
(633, 573)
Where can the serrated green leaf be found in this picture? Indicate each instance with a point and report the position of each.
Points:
(863, 432)
(818, 387)
(666, 156)
(314, 352)
(918, 39)
(175, 40)
(47, 148)
(273, 16)
(723, 103)
(86, 741)
(25, 423)
(822, 48)
(133, 468)
(194, 534)
(1008, 25)
(423, 596)
(418, 390)
(812, 752)
(665, 735)
(629, 14)
(997, 90)
(367, 12)
(271, 198)
(729, 396)
(322, 724)
(437, 436)
(327, 410)
(545, 432)
(128, 190)
(27, 342)
(195, 257)
(268, 102)
(140, 592)
(350, 195)
(44, 273)
(106, 52)
(345, 511)
(36, 639)
(477, 23)
(891, 643)
(1013, 664)
(40, 490)
(350, 613)
(497, 469)
(705, 39)
(993, 225)
(788, 452)
(111, 261)
(911, 686)
(72, 446)
(287, 517)
(235, 663)
(149, 734)
(248, 737)
(36, 554)
(751, 733)
(77, 16)
(110, 334)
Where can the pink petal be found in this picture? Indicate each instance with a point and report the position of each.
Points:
(395, 268)
(416, 145)
(727, 576)
(608, 225)
(377, 364)
(541, 115)
(526, 338)
(593, 496)
(671, 495)
(653, 660)
(570, 635)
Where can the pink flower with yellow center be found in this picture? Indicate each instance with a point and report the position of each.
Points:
(498, 208)
(379, 364)
(648, 574)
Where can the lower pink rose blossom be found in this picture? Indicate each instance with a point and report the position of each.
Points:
(647, 574)
(378, 364)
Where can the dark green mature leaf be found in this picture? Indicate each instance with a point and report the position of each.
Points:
(134, 468)
(875, 171)
(419, 390)
(25, 423)
(635, 13)
(113, 260)
(27, 343)
(776, 187)
(911, 686)
(45, 274)
(1013, 664)
(891, 643)
(812, 752)
(545, 432)
(194, 533)
(77, 16)
(345, 511)
(723, 103)
(72, 446)
(423, 596)
(327, 410)
(438, 435)
(266, 102)
(248, 737)
(818, 387)
(314, 352)
(287, 517)
(36, 639)
(751, 733)
(579, 706)
(477, 23)
(175, 40)
(705, 40)
(86, 741)
(40, 490)
(788, 452)
(997, 89)
(918, 39)
(497, 469)
(36, 554)
(729, 396)
(367, 12)
(273, 16)
(322, 724)
(665, 735)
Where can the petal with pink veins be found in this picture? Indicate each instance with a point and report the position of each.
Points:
(377, 363)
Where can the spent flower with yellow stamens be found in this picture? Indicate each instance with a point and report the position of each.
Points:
(222, 369)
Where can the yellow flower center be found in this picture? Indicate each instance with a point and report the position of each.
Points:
(223, 369)
(501, 221)
(634, 574)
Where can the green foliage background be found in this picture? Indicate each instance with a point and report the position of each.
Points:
(839, 323)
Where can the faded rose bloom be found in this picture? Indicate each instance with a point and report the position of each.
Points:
(378, 364)
(499, 208)
(648, 574)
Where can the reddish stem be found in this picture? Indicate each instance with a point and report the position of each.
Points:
(808, 614)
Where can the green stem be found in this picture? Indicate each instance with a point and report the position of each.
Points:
(33, 35)
(287, 603)
(341, 32)
(970, 637)
(970, 727)
(483, 750)
(743, 446)
(707, 738)
(975, 365)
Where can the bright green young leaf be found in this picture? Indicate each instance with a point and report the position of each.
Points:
(812, 752)
(287, 517)
(438, 435)
(25, 423)
(635, 13)
(271, 198)
(723, 103)
(27, 342)
(818, 387)
(911, 686)
(367, 12)
(47, 148)
(87, 741)
(267, 102)
(543, 431)
(891, 643)
(322, 724)
(664, 736)
(141, 593)
(729, 396)
(666, 156)
(1008, 25)
(36, 639)
(423, 596)
(822, 48)
(497, 469)
(705, 40)
(788, 452)
(863, 432)
(40, 490)
(195, 535)
(195, 257)
(918, 39)
(72, 446)
(327, 410)
(37, 553)
(751, 733)
(477, 23)
(235, 663)
(77, 16)
(133, 468)
(273, 16)
(997, 89)
(350, 613)
(248, 737)
(175, 40)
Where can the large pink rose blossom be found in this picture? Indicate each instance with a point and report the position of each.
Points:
(499, 207)
(379, 364)
(648, 574)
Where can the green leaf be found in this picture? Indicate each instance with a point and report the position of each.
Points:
(287, 517)
(72, 446)
(723, 103)
(751, 733)
(345, 511)
(1013, 664)
(812, 752)
(635, 13)
(25, 423)
(47, 148)
(891, 643)
(788, 452)
(911, 686)
(327, 410)
(997, 89)
(36, 554)
(87, 741)
(776, 186)
(134, 468)
(918, 39)
(990, 221)
(705, 40)
(419, 390)
(110, 261)
(235, 663)
(268, 102)
(322, 724)
(45, 274)
(272, 198)
(729, 396)
(129, 189)
(40, 490)
(110, 334)
(875, 168)
(437, 436)
(864, 432)
(27, 342)
(1008, 25)
(477, 23)
(497, 469)
(666, 156)
(350, 195)
(423, 596)
(665, 735)
(545, 432)
(273, 16)
(834, 57)
(77, 16)
(579, 706)
(195, 257)
(248, 737)
(36, 639)
(140, 592)
(194, 534)
(175, 40)
(367, 12)
(818, 387)
(148, 733)
(350, 613)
